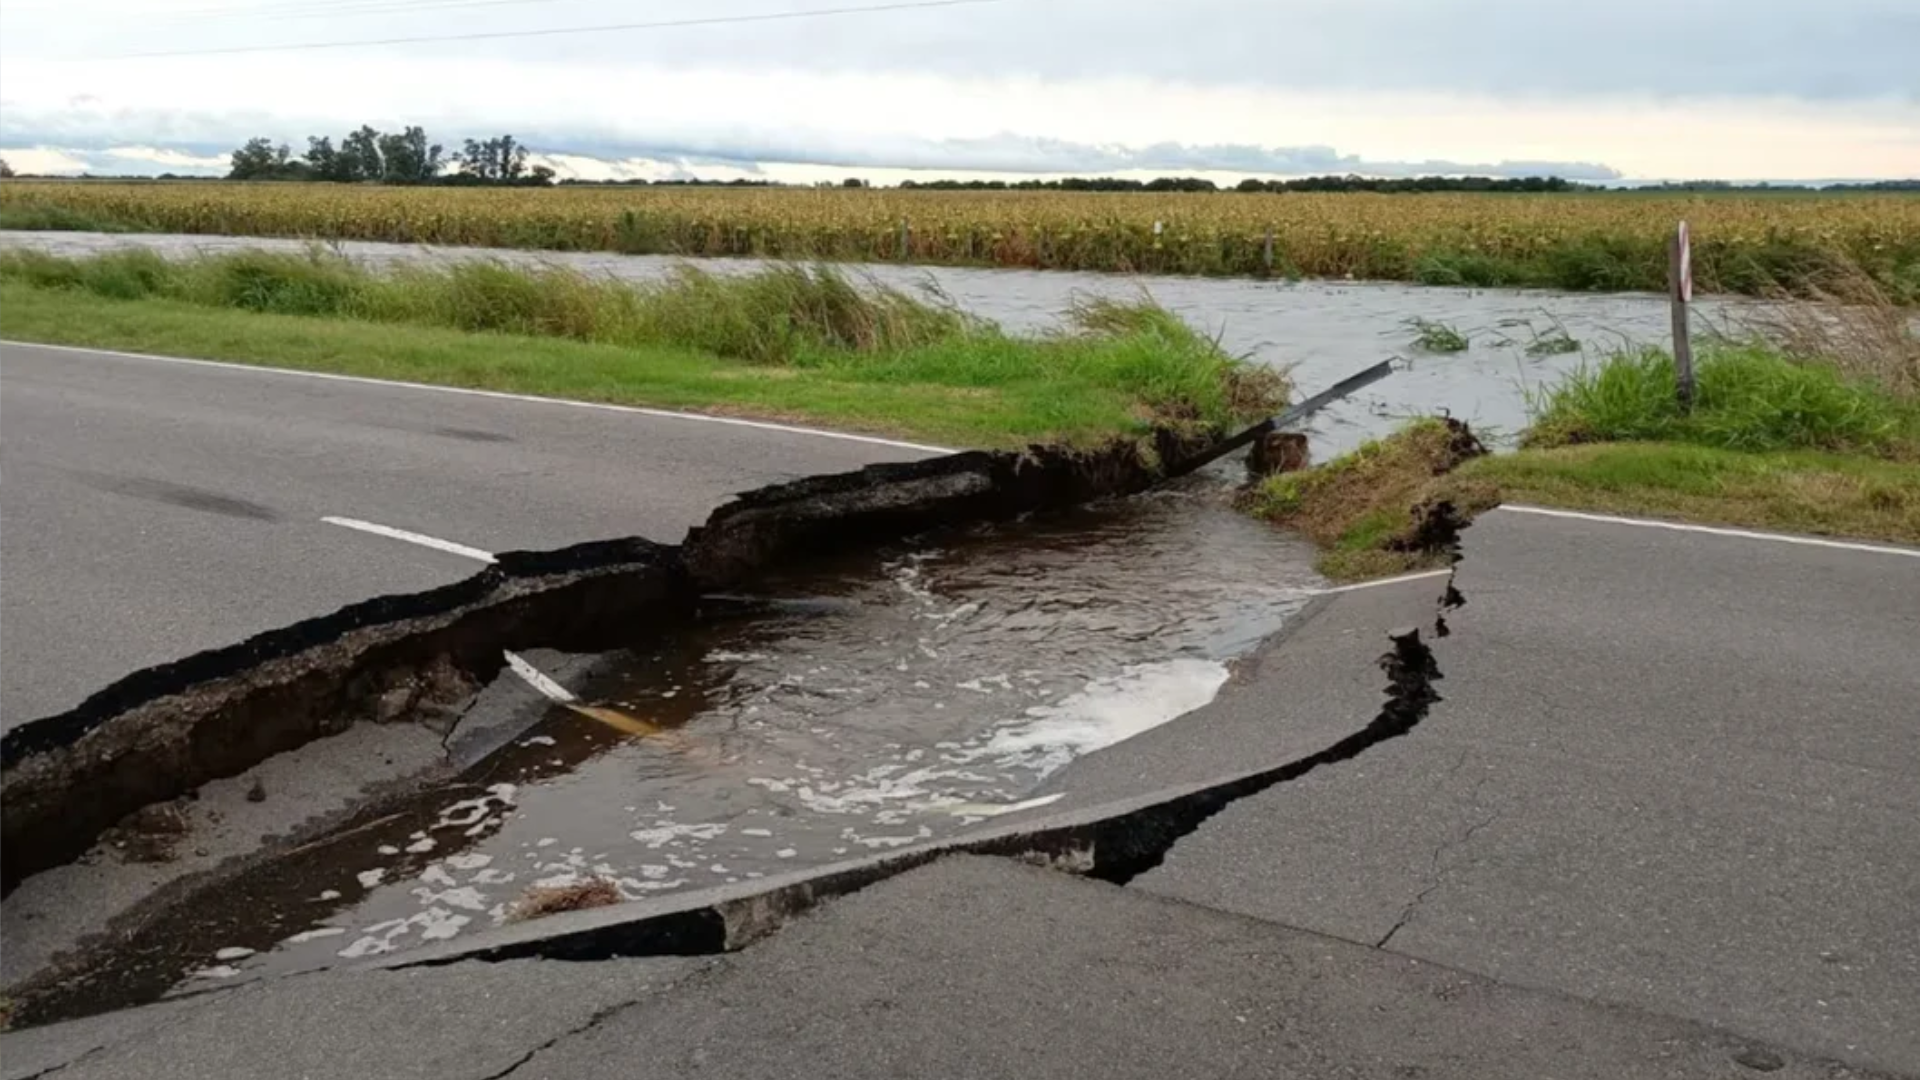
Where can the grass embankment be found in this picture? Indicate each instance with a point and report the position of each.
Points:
(1582, 241)
(787, 342)
(1824, 442)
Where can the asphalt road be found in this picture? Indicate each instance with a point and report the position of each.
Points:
(971, 969)
(151, 509)
(1660, 825)
(1671, 770)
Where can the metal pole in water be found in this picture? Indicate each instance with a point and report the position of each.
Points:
(1293, 415)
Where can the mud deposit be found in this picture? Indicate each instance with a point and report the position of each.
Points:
(881, 699)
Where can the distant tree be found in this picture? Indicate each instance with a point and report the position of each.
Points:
(407, 158)
(500, 160)
(259, 159)
(540, 176)
(852, 182)
(6, 170)
(360, 156)
(323, 161)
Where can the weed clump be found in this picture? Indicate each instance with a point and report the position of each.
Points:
(1436, 337)
(543, 900)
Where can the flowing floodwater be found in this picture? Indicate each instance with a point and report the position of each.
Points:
(1322, 331)
(892, 698)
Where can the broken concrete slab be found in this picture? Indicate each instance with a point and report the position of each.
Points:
(508, 707)
(55, 911)
(467, 1022)
(1114, 841)
(1624, 799)
(986, 968)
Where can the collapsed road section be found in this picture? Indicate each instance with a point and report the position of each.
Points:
(160, 733)
(1018, 647)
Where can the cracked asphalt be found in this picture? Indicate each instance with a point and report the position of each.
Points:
(1659, 825)
(155, 508)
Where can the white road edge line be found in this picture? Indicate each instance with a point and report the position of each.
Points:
(499, 395)
(1744, 534)
(1421, 576)
(422, 539)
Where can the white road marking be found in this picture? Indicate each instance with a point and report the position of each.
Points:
(422, 539)
(500, 395)
(1421, 576)
(1711, 530)
(553, 691)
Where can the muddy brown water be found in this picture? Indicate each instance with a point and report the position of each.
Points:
(1321, 330)
(881, 700)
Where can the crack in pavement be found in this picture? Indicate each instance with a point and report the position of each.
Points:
(1437, 873)
(599, 1016)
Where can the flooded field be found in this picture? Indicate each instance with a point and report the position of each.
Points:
(886, 700)
(1323, 331)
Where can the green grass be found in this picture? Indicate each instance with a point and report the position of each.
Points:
(1774, 441)
(1749, 396)
(1804, 491)
(1384, 508)
(1436, 337)
(968, 385)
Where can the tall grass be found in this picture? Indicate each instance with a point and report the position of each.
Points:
(1134, 359)
(1751, 395)
(771, 316)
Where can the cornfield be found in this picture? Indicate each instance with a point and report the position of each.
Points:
(1614, 241)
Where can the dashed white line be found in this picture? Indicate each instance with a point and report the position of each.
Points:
(1713, 530)
(422, 539)
(1402, 579)
(499, 395)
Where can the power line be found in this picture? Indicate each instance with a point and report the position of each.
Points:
(307, 9)
(665, 24)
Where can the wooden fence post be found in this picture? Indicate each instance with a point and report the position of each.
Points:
(906, 239)
(1680, 282)
(1266, 252)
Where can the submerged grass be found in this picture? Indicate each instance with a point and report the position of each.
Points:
(1436, 337)
(789, 342)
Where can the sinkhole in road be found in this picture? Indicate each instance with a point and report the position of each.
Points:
(878, 699)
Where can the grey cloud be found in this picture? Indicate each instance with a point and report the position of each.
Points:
(1004, 153)
(1025, 154)
(83, 133)
(1824, 49)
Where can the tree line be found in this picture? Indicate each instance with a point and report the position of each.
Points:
(402, 157)
(1308, 183)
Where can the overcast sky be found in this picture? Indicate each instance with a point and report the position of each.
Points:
(1635, 89)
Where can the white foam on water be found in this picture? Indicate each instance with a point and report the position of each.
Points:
(1108, 711)
(664, 833)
